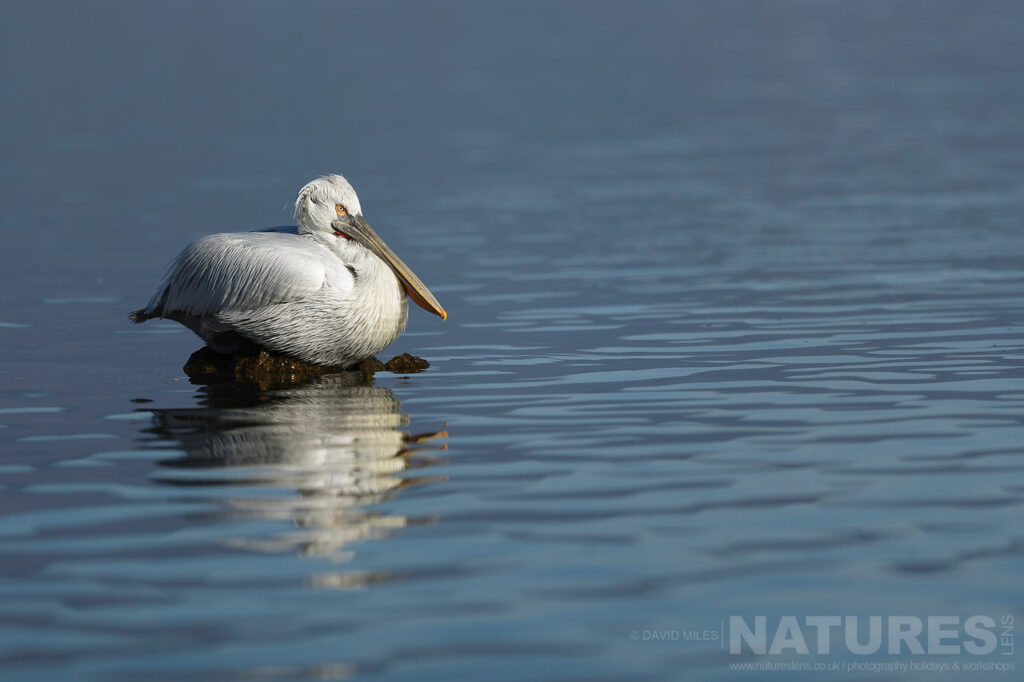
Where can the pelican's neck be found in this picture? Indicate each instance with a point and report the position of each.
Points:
(374, 277)
(379, 302)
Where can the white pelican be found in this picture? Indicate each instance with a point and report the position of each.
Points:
(327, 292)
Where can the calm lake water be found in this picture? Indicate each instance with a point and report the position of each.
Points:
(735, 321)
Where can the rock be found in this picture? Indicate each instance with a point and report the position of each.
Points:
(257, 367)
(267, 370)
(370, 365)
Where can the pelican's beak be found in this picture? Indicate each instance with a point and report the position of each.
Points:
(354, 227)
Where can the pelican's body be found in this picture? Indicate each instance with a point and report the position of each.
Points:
(328, 292)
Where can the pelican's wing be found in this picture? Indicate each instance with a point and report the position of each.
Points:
(236, 272)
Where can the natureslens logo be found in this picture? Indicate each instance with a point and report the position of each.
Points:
(977, 635)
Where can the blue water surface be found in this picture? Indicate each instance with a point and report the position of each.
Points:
(735, 322)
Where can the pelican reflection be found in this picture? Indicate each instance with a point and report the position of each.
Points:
(315, 455)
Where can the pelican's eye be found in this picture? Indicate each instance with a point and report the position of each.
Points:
(341, 210)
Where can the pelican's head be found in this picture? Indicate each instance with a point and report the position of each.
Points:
(329, 208)
(321, 201)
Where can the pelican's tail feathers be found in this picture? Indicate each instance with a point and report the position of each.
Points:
(139, 315)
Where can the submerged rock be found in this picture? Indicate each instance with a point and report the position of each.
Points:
(266, 369)
(406, 364)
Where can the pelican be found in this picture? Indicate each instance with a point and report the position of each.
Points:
(327, 291)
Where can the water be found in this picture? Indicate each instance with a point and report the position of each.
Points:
(734, 329)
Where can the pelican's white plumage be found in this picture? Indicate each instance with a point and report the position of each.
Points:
(327, 291)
